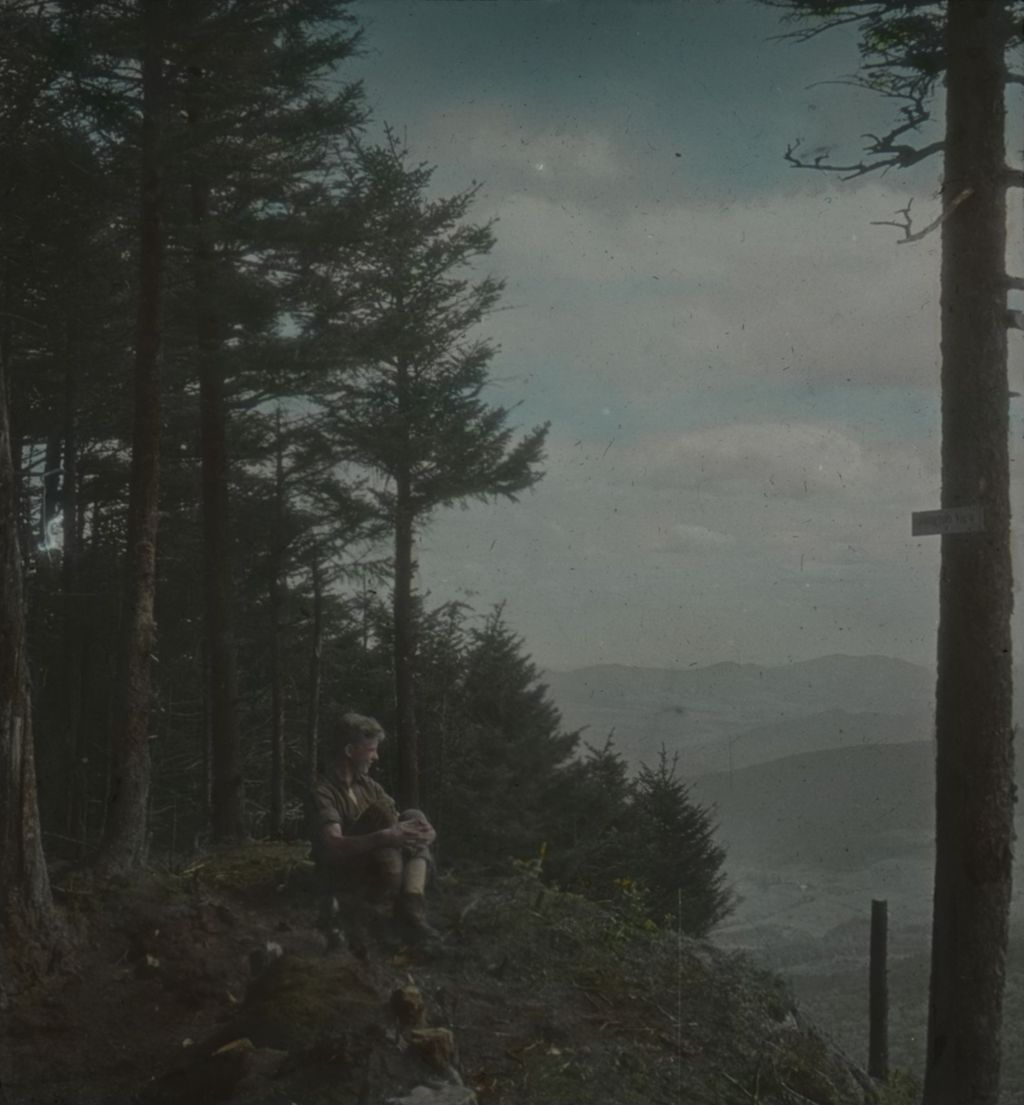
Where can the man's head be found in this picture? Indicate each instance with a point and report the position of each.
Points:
(357, 741)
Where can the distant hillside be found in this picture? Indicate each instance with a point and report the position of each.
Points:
(839, 809)
(698, 709)
(834, 809)
(813, 733)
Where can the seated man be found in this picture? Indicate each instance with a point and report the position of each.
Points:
(366, 854)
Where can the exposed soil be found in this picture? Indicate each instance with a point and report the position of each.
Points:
(547, 998)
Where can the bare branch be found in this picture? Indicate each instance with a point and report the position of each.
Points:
(883, 151)
(1015, 320)
(1015, 178)
(805, 34)
(906, 223)
(855, 12)
(899, 157)
(1015, 78)
(1015, 282)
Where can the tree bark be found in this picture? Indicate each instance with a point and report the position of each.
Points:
(276, 676)
(974, 761)
(227, 799)
(207, 735)
(406, 733)
(71, 657)
(26, 907)
(13, 429)
(403, 615)
(124, 842)
(315, 673)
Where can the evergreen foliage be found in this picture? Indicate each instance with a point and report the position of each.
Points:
(334, 303)
(589, 825)
(642, 843)
(678, 861)
(504, 748)
(405, 397)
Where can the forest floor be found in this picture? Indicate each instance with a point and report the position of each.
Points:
(536, 997)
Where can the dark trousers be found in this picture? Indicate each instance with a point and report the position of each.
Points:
(370, 883)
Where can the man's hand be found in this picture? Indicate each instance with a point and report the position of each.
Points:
(411, 833)
(426, 830)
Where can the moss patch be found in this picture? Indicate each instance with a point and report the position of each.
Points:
(254, 869)
(297, 1001)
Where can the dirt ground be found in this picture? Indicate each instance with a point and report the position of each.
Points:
(547, 1000)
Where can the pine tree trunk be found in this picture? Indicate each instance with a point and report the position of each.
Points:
(276, 717)
(71, 656)
(26, 908)
(315, 674)
(406, 733)
(228, 815)
(974, 762)
(405, 653)
(124, 842)
(14, 430)
(97, 687)
(207, 735)
(276, 677)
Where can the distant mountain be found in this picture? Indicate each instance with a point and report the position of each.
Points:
(835, 809)
(815, 732)
(698, 710)
(825, 764)
(839, 809)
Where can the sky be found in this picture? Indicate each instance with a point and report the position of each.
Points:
(740, 369)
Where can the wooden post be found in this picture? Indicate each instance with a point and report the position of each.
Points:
(878, 1039)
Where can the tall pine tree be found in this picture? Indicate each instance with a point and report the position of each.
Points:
(906, 48)
(260, 124)
(407, 399)
(124, 843)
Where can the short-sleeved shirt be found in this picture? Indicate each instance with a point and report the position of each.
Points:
(338, 802)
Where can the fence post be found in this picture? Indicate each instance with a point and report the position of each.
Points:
(878, 1037)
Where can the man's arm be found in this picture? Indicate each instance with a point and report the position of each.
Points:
(337, 847)
(427, 835)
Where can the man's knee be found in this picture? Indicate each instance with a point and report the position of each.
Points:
(416, 851)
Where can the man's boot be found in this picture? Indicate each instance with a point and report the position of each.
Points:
(411, 912)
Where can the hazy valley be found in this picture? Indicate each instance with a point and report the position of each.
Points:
(821, 776)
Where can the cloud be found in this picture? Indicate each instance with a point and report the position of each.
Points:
(689, 538)
(790, 460)
(656, 309)
(745, 412)
(740, 370)
(603, 563)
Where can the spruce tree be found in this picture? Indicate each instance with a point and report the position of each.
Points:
(259, 124)
(504, 746)
(319, 533)
(676, 858)
(26, 907)
(124, 842)
(406, 401)
(589, 824)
